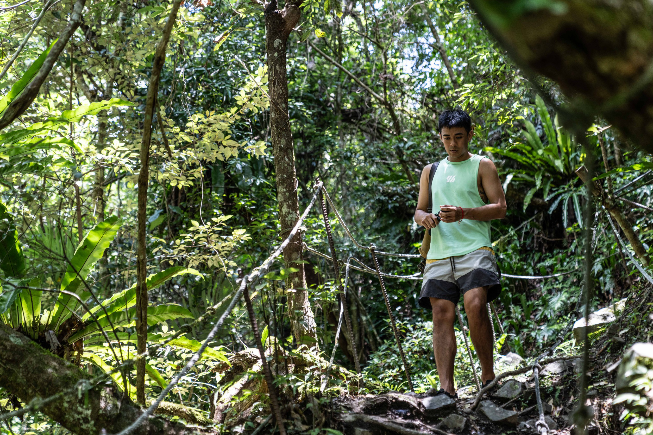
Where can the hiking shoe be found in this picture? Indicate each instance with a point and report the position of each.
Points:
(434, 392)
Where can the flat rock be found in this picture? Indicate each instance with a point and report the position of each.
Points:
(509, 390)
(597, 319)
(496, 414)
(455, 422)
(437, 405)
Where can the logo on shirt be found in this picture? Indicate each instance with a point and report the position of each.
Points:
(451, 178)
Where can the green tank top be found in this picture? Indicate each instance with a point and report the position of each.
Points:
(455, 183)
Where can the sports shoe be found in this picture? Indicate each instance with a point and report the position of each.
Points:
(434, 392)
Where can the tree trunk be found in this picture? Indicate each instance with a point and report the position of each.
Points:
(143, 178)
(28, 371)
(599, 52)
(279, 25)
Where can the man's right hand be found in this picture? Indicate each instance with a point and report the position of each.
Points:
(430, 221)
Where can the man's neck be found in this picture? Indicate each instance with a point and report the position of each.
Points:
(462, 158)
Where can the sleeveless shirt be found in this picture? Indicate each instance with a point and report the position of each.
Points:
(455, 183)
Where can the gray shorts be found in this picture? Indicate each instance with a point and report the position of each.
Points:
(450, 277)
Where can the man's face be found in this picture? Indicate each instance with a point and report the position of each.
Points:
(456, 142)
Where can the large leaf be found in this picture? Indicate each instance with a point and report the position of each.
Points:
(116, 376)
(8, 299)
(68, 116)
(546, 121)
(36, 144)
(12, 261)
(30, 301)
(127, 298)
(155, 375)
(156, 314)
(181, 342)
(18, 87)
(87, 254)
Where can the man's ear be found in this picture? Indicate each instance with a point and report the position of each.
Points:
(470, 134)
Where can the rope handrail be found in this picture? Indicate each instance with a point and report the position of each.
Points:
(245, 281)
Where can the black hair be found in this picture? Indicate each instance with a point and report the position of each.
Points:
(455, 118)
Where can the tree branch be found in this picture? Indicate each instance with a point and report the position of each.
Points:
(23, 101)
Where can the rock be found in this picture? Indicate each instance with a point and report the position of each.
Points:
(531, 425)
(361, 431)
(437, 405)
(455, 422)
(499, 415)
(598, 319)
(509, 390)
(508, 362)
(554, 368)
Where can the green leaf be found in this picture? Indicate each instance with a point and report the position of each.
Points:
(180, 342)
(578, 211)
(22, 83)
(320, 33)
(264, 336)
(12, 260)
(7, 299)
(127, 298)
(78, 113)
(546, 121)
(116, 376)
(155, 375)
(636, 167)
(86, 255)
(221, 39)
(156, 314)
(532, 137)
(529, 197)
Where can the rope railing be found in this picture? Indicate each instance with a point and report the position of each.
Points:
(248, 280)
(264, 267)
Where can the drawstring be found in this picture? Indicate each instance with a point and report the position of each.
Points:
(453, 265)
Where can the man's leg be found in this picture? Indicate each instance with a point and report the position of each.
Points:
(480, 329)
(444, 341)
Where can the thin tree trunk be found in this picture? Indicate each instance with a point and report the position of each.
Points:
(143, 177)
(279, 25)
(440, 47)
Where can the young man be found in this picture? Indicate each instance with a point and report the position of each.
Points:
(467, 194)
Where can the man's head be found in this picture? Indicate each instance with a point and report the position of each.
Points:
(456, 131)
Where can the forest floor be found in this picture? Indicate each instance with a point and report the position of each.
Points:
(509, 409)
(412, 414)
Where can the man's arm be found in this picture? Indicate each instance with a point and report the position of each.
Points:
(422, 217)
(496, 207)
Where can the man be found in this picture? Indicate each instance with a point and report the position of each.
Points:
(466, 195)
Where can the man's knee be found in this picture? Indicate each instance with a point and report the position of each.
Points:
(444, 311)
(476, 302)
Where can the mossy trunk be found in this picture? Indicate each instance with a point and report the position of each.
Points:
(28, 371)
(279, 25)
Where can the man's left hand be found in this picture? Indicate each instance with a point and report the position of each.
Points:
(451, 213)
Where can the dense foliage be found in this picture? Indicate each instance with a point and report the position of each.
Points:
(367, 83)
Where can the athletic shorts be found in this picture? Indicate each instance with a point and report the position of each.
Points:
(449, 277)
